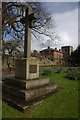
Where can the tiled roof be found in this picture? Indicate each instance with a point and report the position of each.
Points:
(51, 49)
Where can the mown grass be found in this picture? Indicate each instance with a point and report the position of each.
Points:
(9, 112)
(63, 104)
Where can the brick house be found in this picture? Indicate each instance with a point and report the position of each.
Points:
(52, 54)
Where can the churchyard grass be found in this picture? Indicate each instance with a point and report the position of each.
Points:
(63, 104)
(9, 112)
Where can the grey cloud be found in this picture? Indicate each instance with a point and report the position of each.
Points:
(58, 0)
(60, 7)
(67, 27)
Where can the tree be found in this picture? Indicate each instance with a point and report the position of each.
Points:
(74, 59)
(12, 48)
(12, 12)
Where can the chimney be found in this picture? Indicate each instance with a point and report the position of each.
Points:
(48, 47)
(59, 50)
(55, 48)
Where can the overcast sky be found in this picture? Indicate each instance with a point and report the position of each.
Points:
(65, 15)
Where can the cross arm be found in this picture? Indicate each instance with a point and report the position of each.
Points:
(32, 17)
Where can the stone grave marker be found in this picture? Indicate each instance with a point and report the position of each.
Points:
(29, 65)
(25, 88)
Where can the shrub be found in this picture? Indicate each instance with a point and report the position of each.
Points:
(73, 75)
(46, 72)
(69, 69)
(58, 70)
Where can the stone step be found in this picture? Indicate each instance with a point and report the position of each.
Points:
(31, 94)
(22, 105)
(19, 104)
(26, 84)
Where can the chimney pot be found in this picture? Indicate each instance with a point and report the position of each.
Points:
(48, 47)
(55, 48)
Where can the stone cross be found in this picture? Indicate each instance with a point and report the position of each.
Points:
(27, 20)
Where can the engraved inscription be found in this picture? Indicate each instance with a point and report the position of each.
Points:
(32, 68)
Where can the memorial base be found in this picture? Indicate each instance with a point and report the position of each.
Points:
(25, 88)
(25, 93)
(27, 69)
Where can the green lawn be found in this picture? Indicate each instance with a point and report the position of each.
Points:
(9, 112)
(63, 104)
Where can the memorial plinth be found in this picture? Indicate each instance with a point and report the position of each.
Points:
(27, 68)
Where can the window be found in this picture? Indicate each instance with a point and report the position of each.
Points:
(65, 50)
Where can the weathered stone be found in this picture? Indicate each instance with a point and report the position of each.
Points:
(30, 94)
(29, 17)
(26, 84)
(32, 68)
(27, 67)
(22, 68)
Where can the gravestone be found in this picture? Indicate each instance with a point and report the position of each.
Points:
(26, 88)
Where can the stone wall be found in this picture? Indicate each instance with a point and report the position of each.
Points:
(7, 62)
